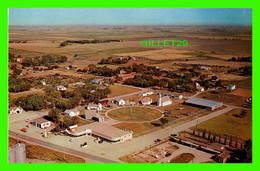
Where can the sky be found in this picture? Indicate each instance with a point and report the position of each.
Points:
(130, 16)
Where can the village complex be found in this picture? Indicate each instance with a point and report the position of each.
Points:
(92, 94)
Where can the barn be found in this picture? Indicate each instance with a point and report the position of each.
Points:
(206, 104)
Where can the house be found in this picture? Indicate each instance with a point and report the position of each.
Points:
(197, 84)
(122, 71)
(146, 101)
(79, 84)
(132, 103)
(93, 106)
(231, 87)
(204, 68)
(164, 101)
(96, 81)
(104, 102)
(201, 89)
(177, 96)
(89, 114)
(73, 127)
(120, 102)
(208, 104)
(99, 118)
(41, 123)
(147, 93)
(15, 110)
(71, 112)
(60, 88)
(43, 82)
(66, 67)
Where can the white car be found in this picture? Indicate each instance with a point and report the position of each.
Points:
(72, 139)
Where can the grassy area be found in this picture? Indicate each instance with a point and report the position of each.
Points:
(182, 158)
(22, 94)
(117, 90)
(230, 125)
(231, 77)
(134, 114)
(41, 153)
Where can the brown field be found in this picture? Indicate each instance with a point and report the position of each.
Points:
(182, 158)
(117, 90)
(231, 77)
(242, 93)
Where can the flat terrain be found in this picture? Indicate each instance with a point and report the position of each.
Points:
(117, 90)
(182, 158)
(137, 114)
(230, 125)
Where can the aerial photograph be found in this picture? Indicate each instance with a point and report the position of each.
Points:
(130, 85)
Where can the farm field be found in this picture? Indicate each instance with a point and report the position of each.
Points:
(117, 90)
(230, 125)
(134, 114)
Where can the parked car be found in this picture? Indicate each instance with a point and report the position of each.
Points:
(100, 142)
(24, 130)
(85, 144)
(72, 139)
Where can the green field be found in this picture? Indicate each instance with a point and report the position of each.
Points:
(117, 90)
(134, 114)
(230, 125)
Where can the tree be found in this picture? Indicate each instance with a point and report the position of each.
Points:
(164, 121)
(31, 102)
(55, 115)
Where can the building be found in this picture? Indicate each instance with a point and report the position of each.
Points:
(132, 103)
(177, 96)
(147, 93)
(71, 112)
(15, 110)
(41, 123)
(223, 157)
(96, 81)
(43, 82)
(93, 106)
(120, 102)
(164, 101)
(146, 101)
(207, 104)
(89, 114)
(204, 68)
(98, 118)
(79, 84)
(104, 102)
(231, 87)
(17, 153)
(199, 88)
(103, 131)
(60, 88)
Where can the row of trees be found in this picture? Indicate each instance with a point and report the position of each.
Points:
(43, 60)
(111, 60)
(31, 102)
(64, 43)
(241, 59)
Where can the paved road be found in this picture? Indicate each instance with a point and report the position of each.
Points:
(59, 148)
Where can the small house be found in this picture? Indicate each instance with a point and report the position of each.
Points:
(98, 118)
(120, 102)
(164, 101)
(96, 81)
(231, 87)
(201, 89)
(41, 123)
(15, 110)
(93, 106)
(104, 102)
(146, 101)
(147, 93)
(71, 112)
(60, 88)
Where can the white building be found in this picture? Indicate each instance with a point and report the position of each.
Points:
(15, 110)
(43, 82)
(41, 123)
(147, 93)
(60, 88)
(146, 101)
(71, 112)
(93, 106)
(121, 102)
(79, 84)
(178, 96)
(231, 87)
(99, 118)
(164, 101)
(201, 89)
(204, 68)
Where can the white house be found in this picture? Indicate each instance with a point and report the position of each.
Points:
(146, 101)
(41, 123)
(15, 110)
(60, 88)
(204, 68)
(93, 106)
(79, 84)
(164, 101)
(71, 112)
(200, 89)
(178, 96)
(147, 93)
(231, 87)
(121, 102)
(98, 118)
(43, 82)
(96, 81)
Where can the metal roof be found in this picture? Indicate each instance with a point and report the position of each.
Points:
(202, 102)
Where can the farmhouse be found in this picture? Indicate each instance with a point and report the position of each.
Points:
(207, 104)
(199, 88)
(147, 93)
(41, 123)
(15, 110)
(104, 102)
(93, 106)
(146, 101)
(231, 87)
(120, 102)
(60, 88)
(103, 131)
(71, 112)
(164, 101)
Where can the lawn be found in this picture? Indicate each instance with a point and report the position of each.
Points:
(117, 90)
(41, 153)
(182, 158)
(134, 114)
(230, 125)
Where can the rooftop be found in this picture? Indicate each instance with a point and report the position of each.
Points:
(40, 120)
(202, 102)
(166, 98)
(146, 99)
